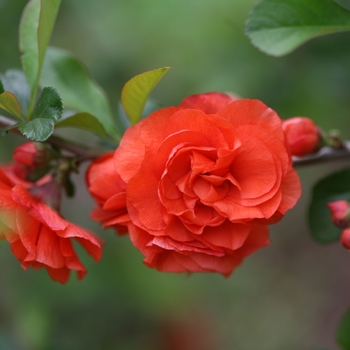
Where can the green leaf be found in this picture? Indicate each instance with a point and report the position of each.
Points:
(277, 27)
(331, 188)
(84, 121)
(9, 103)
(344, 3)
(35, 30)
(15, 81)
(76, 87)
(46, 112)
(343, 333)
(28, 41)
(136, 91)
(49, 105)
(39, 129)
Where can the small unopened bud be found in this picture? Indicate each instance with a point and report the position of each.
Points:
(340, 213)
(32, 154)
(345, 238)
(302, 135)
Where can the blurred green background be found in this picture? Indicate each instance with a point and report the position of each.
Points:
(288, 296)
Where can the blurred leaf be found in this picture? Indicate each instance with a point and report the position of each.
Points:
(28, 41)
(15, 81)
(136, 91)
(9, 103)
(343, 334)
(49, 105)
(84, 121)
(78, 90)
(46, 112)
(331, 188)
(35, 30)
(3, 132)
(277, 27)
(48, 14)
(39, 129)
(344, 3)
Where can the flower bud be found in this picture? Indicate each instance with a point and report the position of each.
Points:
(302, 135)
(340, 213)
(32, 154)
(345, 238)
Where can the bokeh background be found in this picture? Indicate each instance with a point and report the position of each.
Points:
(288, 296)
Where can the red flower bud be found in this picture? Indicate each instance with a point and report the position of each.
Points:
(340, 212)
(345, 238)
(302, 135)
(32, 154)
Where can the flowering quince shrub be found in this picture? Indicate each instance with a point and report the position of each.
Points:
(194, 186)
(198, 186)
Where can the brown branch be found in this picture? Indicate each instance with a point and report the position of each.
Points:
(324, 155)
(82, 152)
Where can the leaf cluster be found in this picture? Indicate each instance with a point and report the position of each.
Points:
(63, 81)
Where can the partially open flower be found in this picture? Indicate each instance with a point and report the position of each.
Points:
(38, 236)
(302, 134)
(108, 189)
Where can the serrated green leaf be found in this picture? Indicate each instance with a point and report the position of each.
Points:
(277, 27)
(76, 87)
(84, 121)
(35, 30)
(39, 129)
(15, 81)
(49, 105)
(331, 188)
(136, 91)
(343, 333)
(9, 103)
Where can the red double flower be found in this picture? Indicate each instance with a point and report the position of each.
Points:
(197, 184)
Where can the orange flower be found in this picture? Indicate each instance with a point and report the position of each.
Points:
(201, 188)
(108, 190)
(303, 136)
(39, 237)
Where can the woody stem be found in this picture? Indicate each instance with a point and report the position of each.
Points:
(82, 152)
(325, 155)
